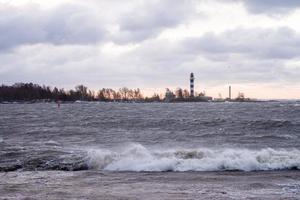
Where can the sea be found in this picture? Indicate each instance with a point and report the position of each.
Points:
(201, 150)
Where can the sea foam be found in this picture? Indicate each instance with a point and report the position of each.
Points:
(139, 158)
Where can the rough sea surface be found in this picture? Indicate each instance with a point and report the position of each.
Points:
(150, 151)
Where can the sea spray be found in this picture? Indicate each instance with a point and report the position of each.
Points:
(139, 158)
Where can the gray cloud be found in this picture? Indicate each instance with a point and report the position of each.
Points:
(257, 43)
(238, 56)
(272, 6)
(147, 20)
(89, 23)
(62, 25)
(151, 64)
(245, 55)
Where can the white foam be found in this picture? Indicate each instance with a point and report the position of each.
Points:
(138, 158)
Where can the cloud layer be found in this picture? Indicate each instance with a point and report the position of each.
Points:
(150, 44)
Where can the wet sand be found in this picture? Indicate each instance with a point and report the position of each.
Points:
(160, 185)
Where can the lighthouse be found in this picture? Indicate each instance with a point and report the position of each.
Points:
(192, 85)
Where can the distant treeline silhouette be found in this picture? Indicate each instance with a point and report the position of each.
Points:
(33, 92)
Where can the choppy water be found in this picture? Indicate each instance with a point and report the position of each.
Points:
(140, 138)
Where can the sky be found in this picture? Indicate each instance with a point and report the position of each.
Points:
(252, 45)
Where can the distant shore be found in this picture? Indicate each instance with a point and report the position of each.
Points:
(132, 101)
(27, 93)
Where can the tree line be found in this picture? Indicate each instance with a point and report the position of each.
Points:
(33, 92)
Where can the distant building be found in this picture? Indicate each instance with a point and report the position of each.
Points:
(192, 85)
(201, 96)
(169, 96)
(180, 97)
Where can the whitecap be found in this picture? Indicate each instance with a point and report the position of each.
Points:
(137, 158)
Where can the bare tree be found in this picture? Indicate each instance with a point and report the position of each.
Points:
(179, 93)
(130, 94)
(137, 94)
(185, 93)
(82, 90)
(124, 93)
(101, 95)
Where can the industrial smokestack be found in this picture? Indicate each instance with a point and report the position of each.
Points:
(192, 85)
(229, 92)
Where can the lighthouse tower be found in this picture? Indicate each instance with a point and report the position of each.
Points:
(192, 85)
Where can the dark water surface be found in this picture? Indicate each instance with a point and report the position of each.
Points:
(181, 150)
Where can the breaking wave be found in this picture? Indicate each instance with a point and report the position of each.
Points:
(138, 158)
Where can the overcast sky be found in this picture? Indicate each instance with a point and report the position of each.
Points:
(253, 45)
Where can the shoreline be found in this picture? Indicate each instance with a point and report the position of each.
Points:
(145, 185)
(124, 101)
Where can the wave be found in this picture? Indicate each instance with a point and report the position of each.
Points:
(270, 123)
(284, 136)
(139, 158)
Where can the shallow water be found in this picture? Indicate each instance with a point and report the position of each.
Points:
(215, 142)
(92, 184)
